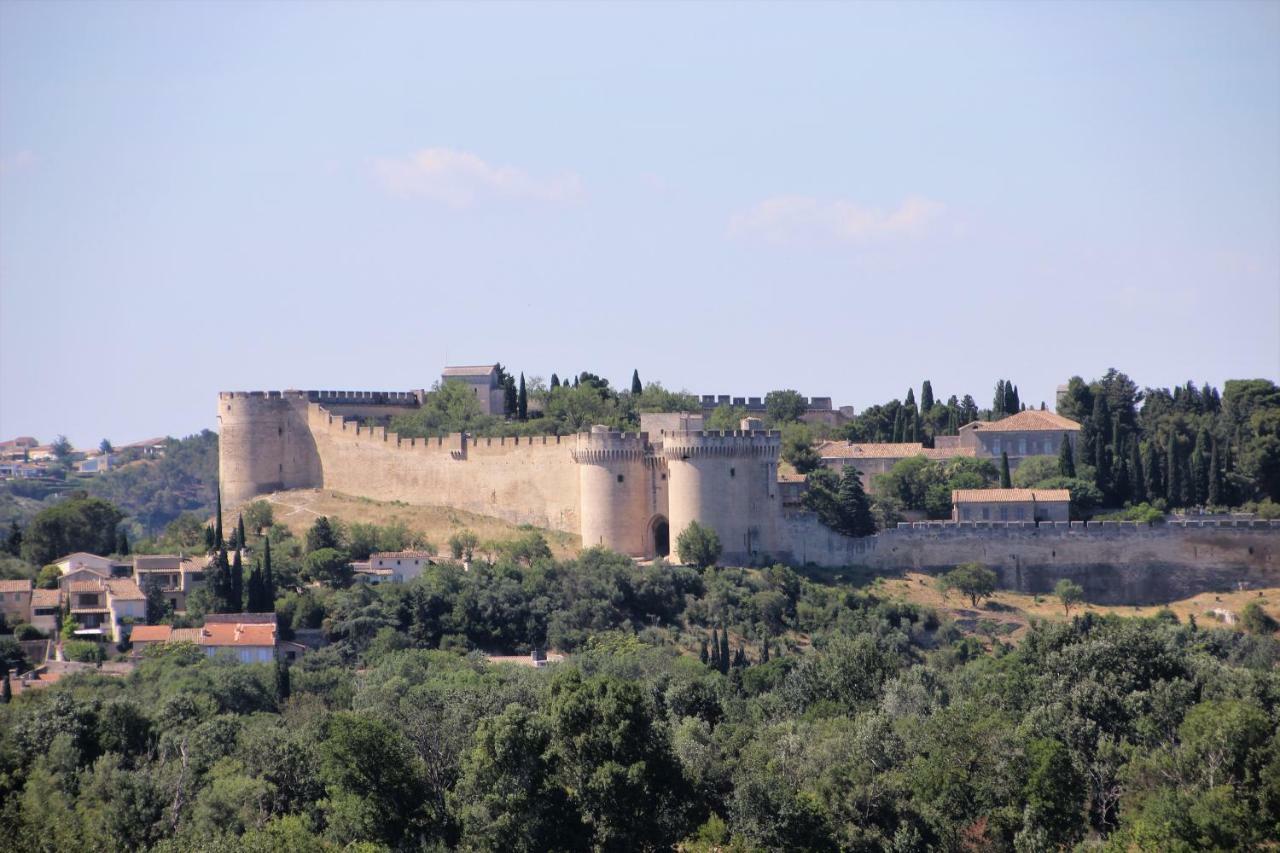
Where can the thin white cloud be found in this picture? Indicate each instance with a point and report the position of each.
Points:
(798, 218)
(461, 179)
(16, 162)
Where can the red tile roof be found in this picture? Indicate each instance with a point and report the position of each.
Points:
(401, 555)
(228, 634)
(150, 633)
(15, 586)
(960, 496)
(1032, 420)
(904, 450)
(124, 589)
(46, 597)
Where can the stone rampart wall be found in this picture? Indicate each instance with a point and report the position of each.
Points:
(1115, 562)
(522, 480)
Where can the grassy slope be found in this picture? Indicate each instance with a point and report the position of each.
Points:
(299, 508)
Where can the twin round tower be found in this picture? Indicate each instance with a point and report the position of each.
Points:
(630, 492)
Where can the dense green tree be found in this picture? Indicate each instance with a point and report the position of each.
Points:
(784, 406)
(1054, 808)
(855, 518)
(80, 523)
(323, 534)
(157, 606)
(1213, 486)
(998, 402)
(1069, 594)
(698, 545)
(522, 401)
(636, 387)
(122, 543)
(13, 542)
(798, 449)
(1066, 461)
(971, 579)
(235, 598)
(1006, 482)
(926, 397)
(328, 566)
(283, 683)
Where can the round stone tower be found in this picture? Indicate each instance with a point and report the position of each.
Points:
(615, 490)
(726, 481)
(264, 444)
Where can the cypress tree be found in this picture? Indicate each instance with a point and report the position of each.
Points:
(636, 387)
(1066, 460)
(715, 648)
(220, 582)
(1006, 482)
(6, 690)
(217, 530)
(854, 505)
(283, 687)
(1200, 467)
(122, 543)
(764, 650)
(702, 653)
(210, 541)
(1137, 482)
(897, 427)
(1151, 468)
(1173, 473)
(575, 382)
(1213, 489)
(268, 579)
(911, 398)
(724, 650)
(522, 400)
(555, 381)
(253, 590)
(236, 599)
(926, 397)
(911, 427)
(1102, 470)
(510, 401)
(1011, 397)
(997, 403)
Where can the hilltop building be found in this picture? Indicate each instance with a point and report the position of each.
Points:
(1033, 505)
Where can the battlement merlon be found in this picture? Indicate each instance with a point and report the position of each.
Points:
(756, 404)
(601, 446)
(761, 443)
(363, 398)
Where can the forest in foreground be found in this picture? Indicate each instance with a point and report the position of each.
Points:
(871, 725)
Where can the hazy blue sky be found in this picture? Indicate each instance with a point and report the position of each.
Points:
(844, 199)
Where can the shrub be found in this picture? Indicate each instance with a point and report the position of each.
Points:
(698, 546)
(83, 650)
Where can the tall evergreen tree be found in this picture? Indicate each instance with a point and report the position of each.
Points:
(1213, 489)
(724, 650)
(1137, 478)
(764, 649)
(636, 387)
(268, 579)
(240, 530)
(911, 425)
(910, 402)
(555, 382)
(715, 647)
(220, 582)
(13, 542)
(522, 400)
(1200, 468)
(1102, 468)
(703, 655)
(926, 397)
(1006, 481)
(1066, 460)
(997, 402)
(122, 543)
(253, 590)
(855, 507)
(283, 687)
(510, 397)
(1011, 398)
(1173, 473)
(1151, 468)
(235, 599)
(896, 438)
(217, 524)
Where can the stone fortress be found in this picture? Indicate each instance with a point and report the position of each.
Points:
(631, 492)
(635, 492)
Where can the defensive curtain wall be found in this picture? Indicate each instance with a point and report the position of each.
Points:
(623, 490)
(634, 492)
(1115, 562)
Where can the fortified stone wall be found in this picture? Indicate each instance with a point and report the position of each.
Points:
(623, 490)
(1115, 563)
(521, 480)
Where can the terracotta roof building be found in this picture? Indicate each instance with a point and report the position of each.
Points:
(1029, 433)
(872, 459)
(1011, 505)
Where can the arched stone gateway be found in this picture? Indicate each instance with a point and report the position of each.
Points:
(660, 536)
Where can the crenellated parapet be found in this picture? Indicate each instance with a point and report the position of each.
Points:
(762, 444)
(600, 447)
(360, 398)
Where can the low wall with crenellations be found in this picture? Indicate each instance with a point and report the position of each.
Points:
(524, 480)
(1115, 562)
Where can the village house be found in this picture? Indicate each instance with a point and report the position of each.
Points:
(95, 565)
(15, 601)
(104, 607)
(46, 604)
(973, 505)
(482, 381)
(878, 458)
(176, 575)
(1034, 432)
(395, 566)
(249, 637)
(16, 449)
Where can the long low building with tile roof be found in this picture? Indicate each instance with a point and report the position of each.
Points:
(877, 458)
(1010, 505)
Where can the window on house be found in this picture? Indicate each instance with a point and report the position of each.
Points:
(995, 446)
(965, 513)
(733, 472)
(1022, 447)
(619, 478)
(1021, 514)
(1004, 513)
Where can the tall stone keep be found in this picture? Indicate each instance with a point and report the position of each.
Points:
(727, 481)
